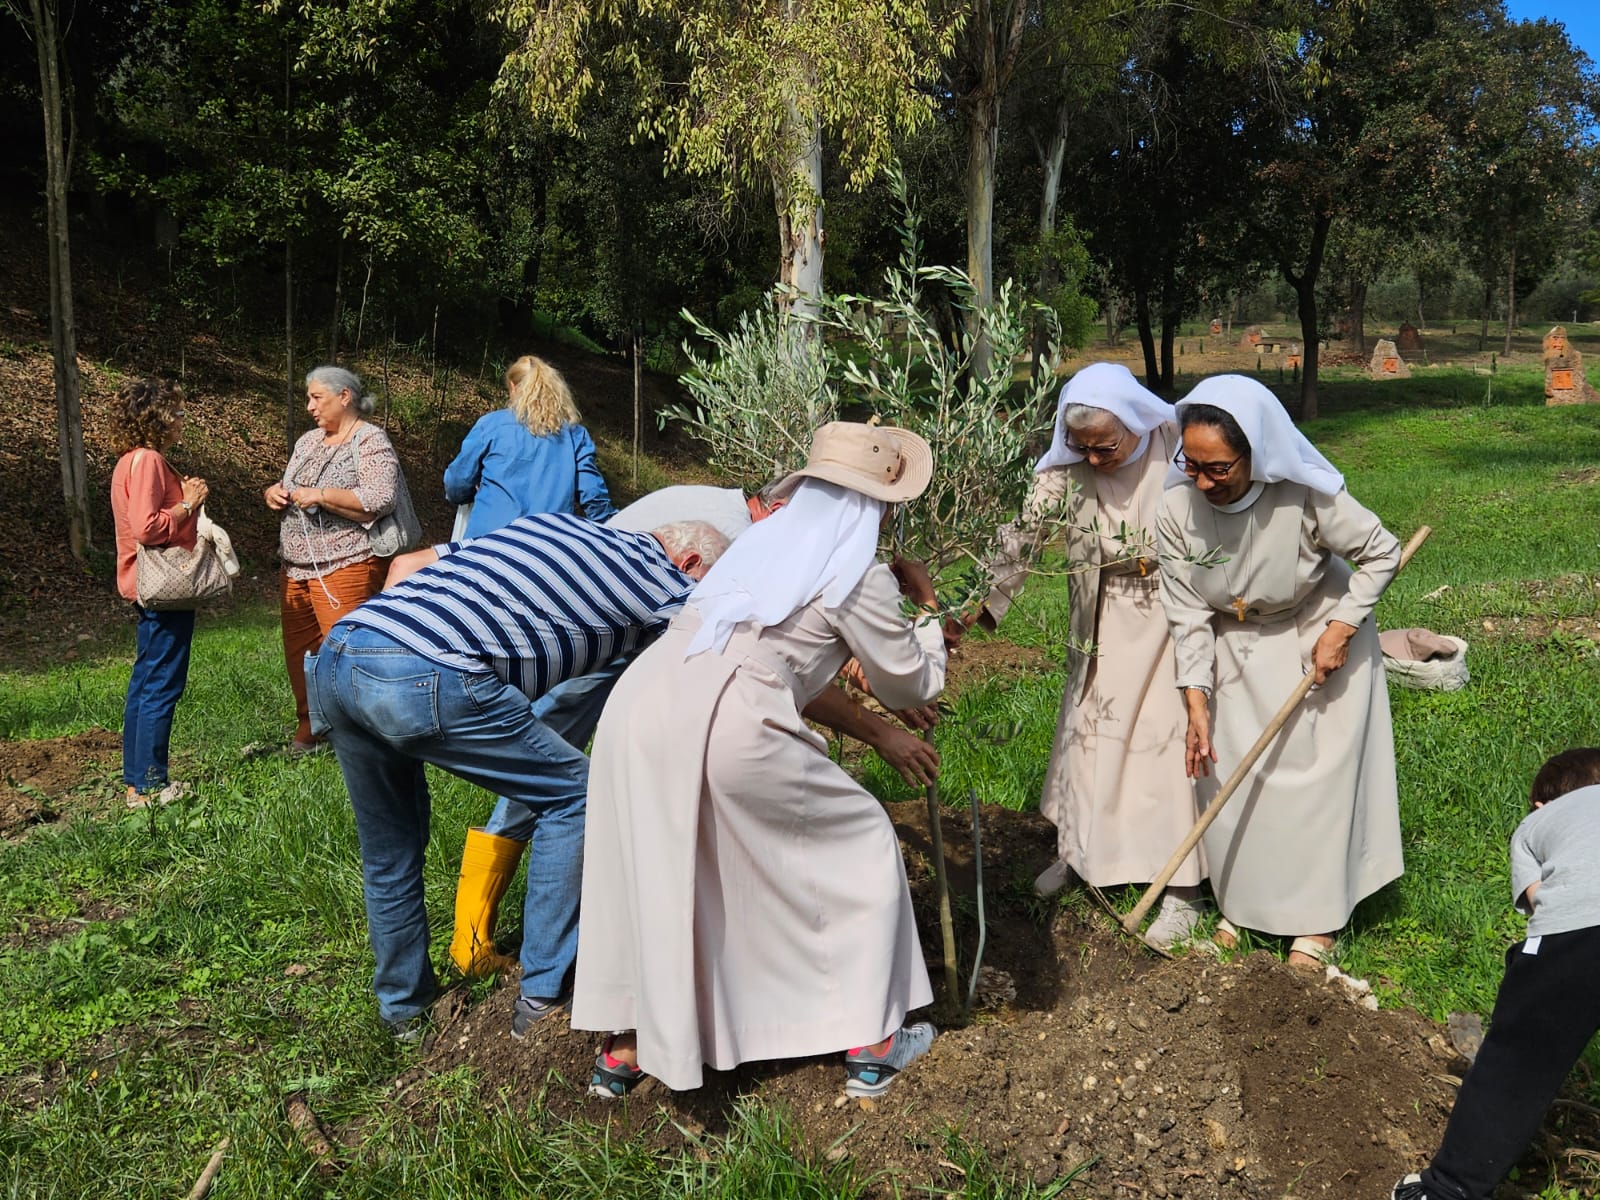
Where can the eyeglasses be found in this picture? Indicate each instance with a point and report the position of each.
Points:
(1217, 471)
(1096, 451)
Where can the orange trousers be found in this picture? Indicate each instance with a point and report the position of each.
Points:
(309, 611)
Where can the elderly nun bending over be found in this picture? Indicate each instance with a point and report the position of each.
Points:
(743, 897)
(1114, 786)
(1316, 826)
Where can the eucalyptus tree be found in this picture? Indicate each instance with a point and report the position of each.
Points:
(762, 84)
(1003, 43)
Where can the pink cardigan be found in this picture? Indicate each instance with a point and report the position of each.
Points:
(145, 494)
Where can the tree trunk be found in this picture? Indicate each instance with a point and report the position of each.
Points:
(1488, 301)
(1305, 288)
(1169, 325)
(1511, 296)
(361, 316)
(638, 400)
(1147, 338)
(1049, 274)
(983, 141)
(1358, 316)
(288, 347)
(58, 150)
(338, 302)
(797, 195)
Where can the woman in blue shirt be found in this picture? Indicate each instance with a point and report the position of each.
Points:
(533, 456)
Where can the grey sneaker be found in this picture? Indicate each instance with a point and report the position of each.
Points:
(1175, 922)
(868, 1074)
(409, 1032)
(529, 1012)
(1055, 878)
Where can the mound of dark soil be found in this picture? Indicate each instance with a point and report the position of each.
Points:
(43, 781)
(1187, 1078)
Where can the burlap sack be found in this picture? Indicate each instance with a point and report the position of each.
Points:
(1422, 659)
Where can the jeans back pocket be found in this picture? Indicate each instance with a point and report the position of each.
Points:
(400, 708)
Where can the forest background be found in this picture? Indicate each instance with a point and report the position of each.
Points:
(451, 176)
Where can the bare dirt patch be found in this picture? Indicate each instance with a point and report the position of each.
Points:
(1189, 1078)
(49, 780)
(976, 659)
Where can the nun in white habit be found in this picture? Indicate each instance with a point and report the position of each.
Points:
(1115, 786)
(1316, 825)
(743, 897)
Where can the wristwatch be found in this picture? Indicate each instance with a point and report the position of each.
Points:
(188, 509)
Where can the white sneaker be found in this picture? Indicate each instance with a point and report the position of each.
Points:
(1055, 878)
(1175, 922)
(173, 791)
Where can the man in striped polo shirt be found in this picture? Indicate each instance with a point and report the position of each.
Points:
(440, 668)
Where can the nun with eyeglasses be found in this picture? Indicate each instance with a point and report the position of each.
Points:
(1114, 786)
(1271, 570)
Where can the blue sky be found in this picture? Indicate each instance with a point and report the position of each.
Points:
(1581, 17)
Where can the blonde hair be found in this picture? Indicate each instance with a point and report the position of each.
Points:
(540, 398)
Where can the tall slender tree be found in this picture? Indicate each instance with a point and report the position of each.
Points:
(41, 21)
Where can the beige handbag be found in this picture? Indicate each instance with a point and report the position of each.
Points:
(171, 578)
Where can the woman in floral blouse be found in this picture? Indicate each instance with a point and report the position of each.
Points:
(342, 476)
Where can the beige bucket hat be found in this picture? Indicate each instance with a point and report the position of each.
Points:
(881, 461)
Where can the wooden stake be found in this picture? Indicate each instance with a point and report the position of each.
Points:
(209, 1175)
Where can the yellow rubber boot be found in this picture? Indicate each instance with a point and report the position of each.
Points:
(487, 864)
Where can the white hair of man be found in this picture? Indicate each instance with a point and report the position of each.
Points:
(682, 538)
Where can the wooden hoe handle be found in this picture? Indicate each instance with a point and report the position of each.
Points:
(1131, 922)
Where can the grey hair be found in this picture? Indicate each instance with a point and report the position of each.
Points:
(1082, 416)
(692, 537)
(337, 380)
(768, 496)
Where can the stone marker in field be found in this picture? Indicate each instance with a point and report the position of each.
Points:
(1251, 338)
(1564, 382)
(1386, 362)
(1409, 339)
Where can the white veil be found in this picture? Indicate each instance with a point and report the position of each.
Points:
(1110, 386)
(818, 544)
(1278, 451)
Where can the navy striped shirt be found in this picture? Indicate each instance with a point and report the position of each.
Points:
(544, 600)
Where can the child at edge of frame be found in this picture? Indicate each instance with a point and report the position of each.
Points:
(1548, 1006)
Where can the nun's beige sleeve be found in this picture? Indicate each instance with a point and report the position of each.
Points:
(1194, 639)
(904, 661)
(1008, 570)
(1352, 532)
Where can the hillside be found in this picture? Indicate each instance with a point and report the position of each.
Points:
(234, 435)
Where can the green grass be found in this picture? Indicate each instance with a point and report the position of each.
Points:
(178, 926)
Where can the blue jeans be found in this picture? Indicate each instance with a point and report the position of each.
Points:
(387, 711)
(160, 671)
(572, 709)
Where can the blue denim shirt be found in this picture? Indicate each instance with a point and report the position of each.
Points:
(509, 473)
